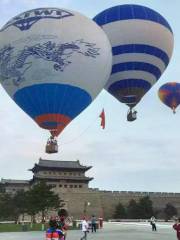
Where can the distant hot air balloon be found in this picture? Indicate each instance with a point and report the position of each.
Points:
(169, 93)
(53, 63)
(142, 45)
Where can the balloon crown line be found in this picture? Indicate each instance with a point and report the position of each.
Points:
(24, 21)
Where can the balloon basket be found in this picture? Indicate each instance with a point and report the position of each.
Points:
(131, 115)
(51, 146)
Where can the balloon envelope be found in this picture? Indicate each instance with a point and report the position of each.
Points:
(142, 44)
(169, 93)
(53, 63)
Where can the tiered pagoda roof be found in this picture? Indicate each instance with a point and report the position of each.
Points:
(64, 166)
(68, 179)
(59, 165)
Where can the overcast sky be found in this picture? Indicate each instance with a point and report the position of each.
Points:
(143, 155)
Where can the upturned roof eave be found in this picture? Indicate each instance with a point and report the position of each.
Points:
(37, 168)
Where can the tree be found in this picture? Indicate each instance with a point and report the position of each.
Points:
(120, 211)
(12, 206)
(41, 198)
(145, 207)
(169, 211)
(133, 211)
(141, 209)
(2, 188)
(31, 209)
(6, 206)
(20, 204)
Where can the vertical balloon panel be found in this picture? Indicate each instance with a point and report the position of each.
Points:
(142, 45)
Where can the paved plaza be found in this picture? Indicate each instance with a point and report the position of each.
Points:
(111, 231)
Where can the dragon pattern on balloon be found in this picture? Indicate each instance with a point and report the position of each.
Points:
(14, 66)
(52, 68)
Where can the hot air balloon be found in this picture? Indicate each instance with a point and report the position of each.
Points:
(142, 45)
(169, 93)
(53, 63)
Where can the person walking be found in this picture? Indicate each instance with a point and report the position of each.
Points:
(153, 223)
(176, 227)
(84, 229)
(93, 223)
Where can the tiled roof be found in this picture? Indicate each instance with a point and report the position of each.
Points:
(61, 164)
(64, 178)
(14, 181)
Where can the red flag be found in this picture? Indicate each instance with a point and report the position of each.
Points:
(102, 116)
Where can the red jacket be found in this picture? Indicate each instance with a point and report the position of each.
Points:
(177, 228)
(54, 234)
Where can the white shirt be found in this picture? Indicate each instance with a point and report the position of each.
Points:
(153, 220)
(84, 226)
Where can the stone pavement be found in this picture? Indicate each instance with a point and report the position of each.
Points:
(111, 231)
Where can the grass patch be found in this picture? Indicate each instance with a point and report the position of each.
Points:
(11, 227)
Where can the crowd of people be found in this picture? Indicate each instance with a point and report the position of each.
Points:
(58, 227)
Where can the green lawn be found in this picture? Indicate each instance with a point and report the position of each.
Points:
(10, 227)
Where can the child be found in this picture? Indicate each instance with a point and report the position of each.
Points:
(53, 233)
(84, 229)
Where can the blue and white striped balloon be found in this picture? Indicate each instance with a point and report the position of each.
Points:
(142, 45)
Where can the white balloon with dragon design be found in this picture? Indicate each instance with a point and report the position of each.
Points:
(53, 63)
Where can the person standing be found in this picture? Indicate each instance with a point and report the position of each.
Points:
(53, 232)
(93, 223)
(62, 221)
(176, 227)
(84, 229)
(153, 223)
(62, 226)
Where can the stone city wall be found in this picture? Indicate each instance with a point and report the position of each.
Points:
(102, 203)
